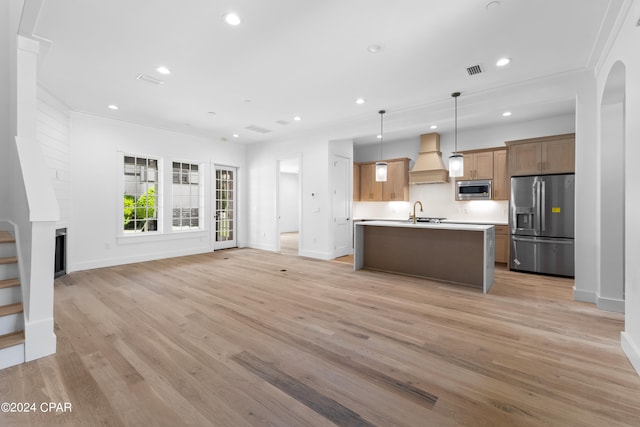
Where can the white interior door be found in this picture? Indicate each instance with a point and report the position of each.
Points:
(225, 207)
(342, 206)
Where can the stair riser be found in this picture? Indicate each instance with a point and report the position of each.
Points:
(7, 250)
(11, 356)
(11, 323)
(10, 295)
(8, 271)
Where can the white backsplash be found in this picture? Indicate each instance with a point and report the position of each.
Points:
(438, 201)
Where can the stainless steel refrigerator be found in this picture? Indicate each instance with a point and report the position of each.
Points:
(541, 218)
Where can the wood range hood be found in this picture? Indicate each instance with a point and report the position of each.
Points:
(429, 167)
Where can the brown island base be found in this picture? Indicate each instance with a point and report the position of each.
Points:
(462, 254)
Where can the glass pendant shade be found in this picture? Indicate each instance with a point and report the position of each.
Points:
(381, 166)
(456, 165)
(381, 171)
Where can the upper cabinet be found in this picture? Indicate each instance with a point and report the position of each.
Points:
(356, 182)
(489, 164)
(542, 156)
(501, 181)
(370, 189)
(477, 165)
(395, 188)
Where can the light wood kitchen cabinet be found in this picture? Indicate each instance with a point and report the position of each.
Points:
(501, 181)
(356, 182)
(477, 166)
(540, 156)
(370, 189)
(488, 164)
(396, 188)
(502, 243)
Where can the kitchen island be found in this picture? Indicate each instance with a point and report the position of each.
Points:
(457, 253)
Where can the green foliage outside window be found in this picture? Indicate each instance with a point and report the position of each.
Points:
(137, 212)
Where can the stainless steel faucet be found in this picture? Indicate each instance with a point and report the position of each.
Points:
(414, 210)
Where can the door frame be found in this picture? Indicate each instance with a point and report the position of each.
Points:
(227, 243)
(297, 157)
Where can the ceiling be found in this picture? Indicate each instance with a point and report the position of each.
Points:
(310, 59)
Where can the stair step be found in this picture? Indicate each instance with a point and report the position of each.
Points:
(5, 237)
(9, 283)
(8, 310)
(9, 260)
(9, 340)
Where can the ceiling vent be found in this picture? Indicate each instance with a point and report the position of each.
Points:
(149, 79)
(257, 129)
(474, 69)
(282, 122)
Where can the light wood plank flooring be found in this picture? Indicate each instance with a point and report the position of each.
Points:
(243, 337)
(289, 243)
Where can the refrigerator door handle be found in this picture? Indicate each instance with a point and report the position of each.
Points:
(537, 211)
(538, 240)
(543, 207)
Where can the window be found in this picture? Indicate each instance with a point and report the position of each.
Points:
(186, 197)
(140, 191)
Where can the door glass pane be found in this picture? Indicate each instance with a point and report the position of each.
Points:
(224, 206)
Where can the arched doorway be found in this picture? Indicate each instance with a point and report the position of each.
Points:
(612, 192)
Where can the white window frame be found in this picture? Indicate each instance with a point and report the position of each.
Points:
(159, 196)
(201, 216)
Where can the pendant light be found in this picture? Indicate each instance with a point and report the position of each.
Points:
(381, 166)
(456, 160)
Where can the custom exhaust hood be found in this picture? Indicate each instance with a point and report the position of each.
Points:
(429, 167)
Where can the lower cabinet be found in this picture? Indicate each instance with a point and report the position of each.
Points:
(502, 244)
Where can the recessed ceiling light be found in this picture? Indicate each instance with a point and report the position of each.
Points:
(163, 70)
(374, 48)
(433, 127)
(235, 135)
(506, 114)
(113, 107)
(297, 118)
(503, 61)
(232, 18)
(360, 101)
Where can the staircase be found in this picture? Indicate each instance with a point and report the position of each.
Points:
(11, 310)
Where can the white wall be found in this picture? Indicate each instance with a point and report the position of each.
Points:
(262, 175)
(97, 145)
(7, 130)
(289, 202)
(625, 49)
(438, 199)
(53, 136)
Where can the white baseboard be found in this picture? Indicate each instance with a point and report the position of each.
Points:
(318, 255)
(40, 340)
(11, 356)
(610, 304)
(584, 296)
(262, 246)
(631, 350)
(109, 262)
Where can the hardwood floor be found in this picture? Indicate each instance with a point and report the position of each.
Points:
(244, 337)
(289, 243)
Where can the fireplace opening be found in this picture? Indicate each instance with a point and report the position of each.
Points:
(60, 268)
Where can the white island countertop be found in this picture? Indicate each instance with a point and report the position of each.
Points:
(439, 226)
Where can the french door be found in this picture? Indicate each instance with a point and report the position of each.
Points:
(225, 207)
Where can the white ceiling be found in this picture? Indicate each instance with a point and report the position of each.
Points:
(310, 58)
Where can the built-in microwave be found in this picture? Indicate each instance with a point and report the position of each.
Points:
(473, 190)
